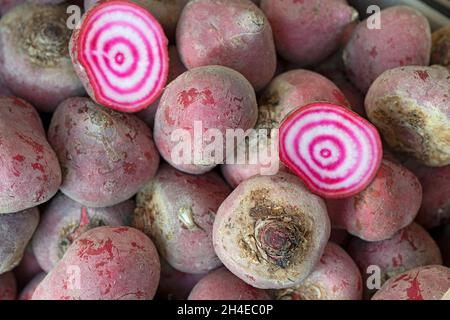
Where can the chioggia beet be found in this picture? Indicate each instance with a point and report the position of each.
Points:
(16, 230)
(106, 156)
(335, 277)
(204, 98)
(403, 38)
(231, 33)
(28, 290)
(28, 267)
(409, 248)
(167, 12)
(221, 284)
(388, 204)
(174, 284)
(177, 211)
(271, 231)
(176, 68)
(307, 32)
(34, 57)
(104, 263)
(440, 50)
(333, 150)
(284, 93)
(132, 71)
(8, 286)
(64, 220)
(30, 172)
(410, 107)
(423, 283)
(435, 209)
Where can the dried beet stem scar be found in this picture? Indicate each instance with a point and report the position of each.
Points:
(333, 150)
(122, 53)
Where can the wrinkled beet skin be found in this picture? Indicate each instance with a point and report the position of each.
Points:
(115, 263)
(221, 284)
(106, 156)
(388, 204)
(231, 33)
(30, 174)
(409, 248)
(423, 283)
(16, 230)
(28, 290)
(177, 211)
(404, 39)
(63, 220)
(8, 286)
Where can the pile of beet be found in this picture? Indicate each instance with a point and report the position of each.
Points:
(99, 201)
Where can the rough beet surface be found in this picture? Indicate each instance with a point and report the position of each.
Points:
(177, 211)
(409, 248)
(64, 220)
(104, 263)
(34, 57)
(231, 33)
(221, 284)
(403, 39)
(271, 231)
(30, 172)
(423, 283)
(212, 97)
(388, 204)
(335, 277)
(106, 156)
(16, 230)
(410, 107)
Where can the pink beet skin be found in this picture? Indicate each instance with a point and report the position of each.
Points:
(176, 68)
(177, 211)
(307, 32)
(28, 290)
(16, 230)
(174, 284)
(285, 93)
(231, 33)
(63, 220)
(106, 156)
(335, 277)
(215, 97)
(34, 59)
(388, 204)
(403, 39)
(30, 174)
(423, 283)
(8, 286)
(105, 263)
(221, 284)
(409, 248)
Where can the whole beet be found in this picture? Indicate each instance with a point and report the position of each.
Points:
(409, 248)
(307, 32)
(177, 211)
(388, 204)
(231, 33)
(104, 263)
(106, 156)
(335, 277)
(34, 57)
(30, 172)
(63, 220)
(16, 230)
(221, 284)
(410, 106)
(271, 231)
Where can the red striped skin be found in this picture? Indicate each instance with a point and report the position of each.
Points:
(88, 77)
(330, 194)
